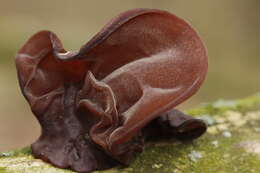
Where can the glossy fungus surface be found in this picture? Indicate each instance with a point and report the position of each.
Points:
(97, 105)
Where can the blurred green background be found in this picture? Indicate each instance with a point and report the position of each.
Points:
(229, 28)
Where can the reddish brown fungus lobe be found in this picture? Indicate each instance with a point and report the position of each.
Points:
(96, 105)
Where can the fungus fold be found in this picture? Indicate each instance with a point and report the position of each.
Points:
(96, 106)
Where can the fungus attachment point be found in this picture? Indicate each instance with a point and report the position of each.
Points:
(175, 124)
(97, 105)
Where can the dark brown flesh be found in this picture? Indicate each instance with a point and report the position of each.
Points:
(95, 106)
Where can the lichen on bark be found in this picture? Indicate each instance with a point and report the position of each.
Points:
(231, 144)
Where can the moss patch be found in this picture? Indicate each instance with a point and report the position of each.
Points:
(231, 145)
(16, 153)
(3, 170)
(220, 106)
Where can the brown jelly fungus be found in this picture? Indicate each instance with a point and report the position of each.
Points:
(97, 105)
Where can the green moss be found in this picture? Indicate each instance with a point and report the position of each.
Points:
(228, 146)
(19, 152)
(3, 170)
(226, 157)
(220, 106)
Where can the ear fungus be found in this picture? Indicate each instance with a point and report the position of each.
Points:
(50, 85)
(174, 124)
(96, 105)
(169, 65)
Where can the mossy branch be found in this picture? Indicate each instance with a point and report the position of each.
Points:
(231, 144)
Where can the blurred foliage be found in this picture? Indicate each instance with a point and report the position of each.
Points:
(229, 28)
